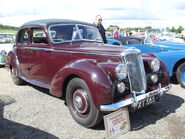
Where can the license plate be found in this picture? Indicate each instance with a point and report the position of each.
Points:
(146, 102)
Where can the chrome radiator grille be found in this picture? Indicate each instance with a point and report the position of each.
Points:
(136, 71)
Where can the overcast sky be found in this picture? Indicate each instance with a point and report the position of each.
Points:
(124, 13)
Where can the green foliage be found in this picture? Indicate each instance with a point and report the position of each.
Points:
(178, 30)
(173, 29)
(148, 28)
(8, 29)
(168, 29)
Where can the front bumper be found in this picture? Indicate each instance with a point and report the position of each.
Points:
(135, 100)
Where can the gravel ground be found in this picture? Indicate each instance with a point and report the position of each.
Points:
(29, 112)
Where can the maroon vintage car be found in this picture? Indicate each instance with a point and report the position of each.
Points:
(70, 59)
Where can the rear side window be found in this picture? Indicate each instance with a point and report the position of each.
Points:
(38, 36)
(23, 36)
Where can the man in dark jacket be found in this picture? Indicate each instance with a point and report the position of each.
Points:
(98, 23)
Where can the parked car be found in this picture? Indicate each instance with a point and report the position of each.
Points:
(171, 54)
(108, 34)
(167, 36)
(71, 60)
(6, 44)
(169, 44)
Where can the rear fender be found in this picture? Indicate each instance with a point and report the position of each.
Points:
(12, 62)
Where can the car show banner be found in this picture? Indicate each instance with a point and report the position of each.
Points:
(117, 123)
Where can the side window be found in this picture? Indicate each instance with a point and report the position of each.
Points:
(23, 36)
(89, 33)
(38, 36)
(83, 31)
(60, 33)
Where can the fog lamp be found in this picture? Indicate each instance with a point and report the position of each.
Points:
(121, 87)
(154, 78)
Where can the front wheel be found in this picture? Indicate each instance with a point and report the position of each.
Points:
(80, 103)
(180, 74)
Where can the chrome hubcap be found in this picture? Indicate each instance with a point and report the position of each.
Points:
(183, 75)
(80, 101)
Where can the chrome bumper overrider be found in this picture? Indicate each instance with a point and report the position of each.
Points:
(135, 100)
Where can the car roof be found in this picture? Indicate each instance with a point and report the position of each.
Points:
(47, 22)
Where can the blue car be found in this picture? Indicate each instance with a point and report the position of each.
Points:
(172, 57)
(170, 44)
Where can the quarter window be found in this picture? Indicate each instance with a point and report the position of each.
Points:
(38, 36)
(23, 36)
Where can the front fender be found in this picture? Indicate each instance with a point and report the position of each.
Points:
(170, 59)
(98, 81)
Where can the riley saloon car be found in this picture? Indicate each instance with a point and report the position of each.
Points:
(70, 59)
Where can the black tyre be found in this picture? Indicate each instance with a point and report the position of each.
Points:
(80, 103)
(180, 74)
(15, 78)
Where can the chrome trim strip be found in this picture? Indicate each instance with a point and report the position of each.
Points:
(63, 51)
(131, 50)
(132, 100)
(35, 82)
(17, 66)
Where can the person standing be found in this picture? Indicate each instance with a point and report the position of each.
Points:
(98, 23)
(115, 34)
(120, 33)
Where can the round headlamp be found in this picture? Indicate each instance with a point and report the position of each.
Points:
(3, 53)
(121, 71)
(155, 65)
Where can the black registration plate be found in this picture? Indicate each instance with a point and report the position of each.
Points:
(146, 102)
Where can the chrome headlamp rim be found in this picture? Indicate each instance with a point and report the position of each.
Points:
(121, 71)
(155, 65)
(3, 53)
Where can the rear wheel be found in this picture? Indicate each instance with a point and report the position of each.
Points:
(180, 74)
(80, 103)
(15, 78)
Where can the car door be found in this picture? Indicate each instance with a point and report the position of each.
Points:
(23, 52)
(41, 51)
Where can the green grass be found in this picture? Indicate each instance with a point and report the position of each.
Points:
(8, 31)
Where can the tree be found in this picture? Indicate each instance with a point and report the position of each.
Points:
(180, 29)
(148, 28)
(173, 29)
(167, 29)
